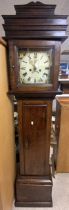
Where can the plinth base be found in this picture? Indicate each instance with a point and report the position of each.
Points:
(33, 191)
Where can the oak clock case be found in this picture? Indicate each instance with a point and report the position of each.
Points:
(34, 36)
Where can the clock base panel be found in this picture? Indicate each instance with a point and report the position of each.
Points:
(33, 204)
(33, 191)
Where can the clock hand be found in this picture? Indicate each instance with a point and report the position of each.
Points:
(35, 54)
(29, 56)
(46, 62)
(35, 69)
(24, 61)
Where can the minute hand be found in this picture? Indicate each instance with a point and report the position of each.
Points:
(46, 62)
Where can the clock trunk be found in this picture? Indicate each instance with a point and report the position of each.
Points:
(35, 136)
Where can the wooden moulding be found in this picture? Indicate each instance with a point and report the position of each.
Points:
(47, 94)
(33, 191)
(35, 20)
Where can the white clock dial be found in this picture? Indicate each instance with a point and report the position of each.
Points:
(34, 66)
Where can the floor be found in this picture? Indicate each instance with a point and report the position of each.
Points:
(60, 194)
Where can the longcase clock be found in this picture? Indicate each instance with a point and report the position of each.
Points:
(34, 37)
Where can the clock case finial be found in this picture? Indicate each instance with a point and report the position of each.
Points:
(48, 9)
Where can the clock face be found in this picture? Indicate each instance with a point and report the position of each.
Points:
(34, 66)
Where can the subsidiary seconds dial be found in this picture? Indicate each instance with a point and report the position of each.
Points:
(34, 66)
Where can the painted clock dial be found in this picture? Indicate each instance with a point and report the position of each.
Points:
(34, 66)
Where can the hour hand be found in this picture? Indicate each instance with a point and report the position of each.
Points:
(35, 69)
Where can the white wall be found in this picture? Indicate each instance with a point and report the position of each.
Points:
(7, 7)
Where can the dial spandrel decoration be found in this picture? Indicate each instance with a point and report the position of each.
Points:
(34, 66)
